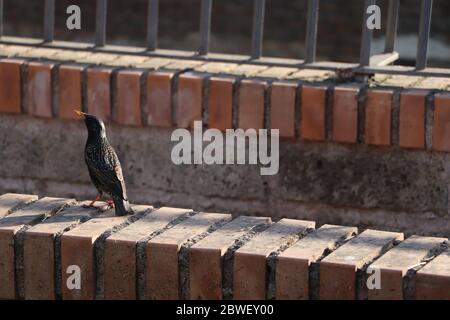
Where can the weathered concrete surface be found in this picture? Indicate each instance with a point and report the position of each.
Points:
(372, 187)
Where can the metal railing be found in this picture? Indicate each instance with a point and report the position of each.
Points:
(368, 63)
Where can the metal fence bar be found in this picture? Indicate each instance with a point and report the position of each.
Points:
(424, 34)
(311, 30)
(366, 37)
(392, 24)
(152, 24)
(1, 18)
(49, 20)
(205, 26)
(258, 28)
(100, 23)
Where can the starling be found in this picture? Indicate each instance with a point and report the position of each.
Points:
(104, 166)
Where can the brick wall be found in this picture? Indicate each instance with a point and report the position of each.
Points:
(175, 253)
(346, 148)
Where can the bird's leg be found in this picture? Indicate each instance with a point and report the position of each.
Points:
(91, 205)
(110, 204)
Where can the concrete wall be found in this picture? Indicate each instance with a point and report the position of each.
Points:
(391, 188)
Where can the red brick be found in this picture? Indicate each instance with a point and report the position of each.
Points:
(339, 269)
(69, 91)
(345, 114)
(77, 248)
(40, 91)
(162, 273)
(412, 119)
(251, 104)
(250, 265)
(206, 257)
(282, 108)
(394, 265)
(10, 226)
(441, 123)
(120, 251)
(292, 271)
(11, 201)
(189, 100)
(221, 103)
(129, 97)
(10, 80)
(313, 113)
(159, 98)
(378, 117)
(433, 280)
(39, 251)
(99, 93)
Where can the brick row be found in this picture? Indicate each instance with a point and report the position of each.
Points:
(11, 230)
(145, 95)
(394, 266)
(56, 248)
(122, 256)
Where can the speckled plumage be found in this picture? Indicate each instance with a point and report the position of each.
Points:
(104, 165)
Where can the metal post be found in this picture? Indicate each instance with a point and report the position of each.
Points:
(424, 34)
(392, 24)
(366, 37)
(49, 20)
(100, 23)
(311, 30)
(205, 26)
(258, 28)
(152, 25)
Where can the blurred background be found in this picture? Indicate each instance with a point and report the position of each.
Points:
(284, 34)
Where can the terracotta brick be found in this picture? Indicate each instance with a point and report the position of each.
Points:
(441, 123)
(378, 117)
(99, 93)
(206, 257)
(250, 269)
(394, 265)
(292, 271)
(313, 113)
(10, 79)
(162, 273)
(221, 103)
(189, 100)
(11, 201)
(40, 89)
(120, 251)
(251, 104)
(69, 91)
(10, 226)
(433, 280)
(159, 98)
(412, 119)
(129, 97)
(77, 248)
(345, 114)
(282, 108)
(39, 251)
(338, 270)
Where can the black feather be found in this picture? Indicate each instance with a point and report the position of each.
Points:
(104, 165)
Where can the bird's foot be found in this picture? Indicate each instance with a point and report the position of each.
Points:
(91, 205)
(110, 204)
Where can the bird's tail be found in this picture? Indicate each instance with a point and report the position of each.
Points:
(122, 207)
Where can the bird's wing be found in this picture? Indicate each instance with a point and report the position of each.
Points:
(108, 172)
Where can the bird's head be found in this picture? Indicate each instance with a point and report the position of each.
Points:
(94, 125)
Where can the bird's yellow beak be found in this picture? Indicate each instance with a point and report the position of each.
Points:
(79, 113)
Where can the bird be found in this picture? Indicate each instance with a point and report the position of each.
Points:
(104, 166)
